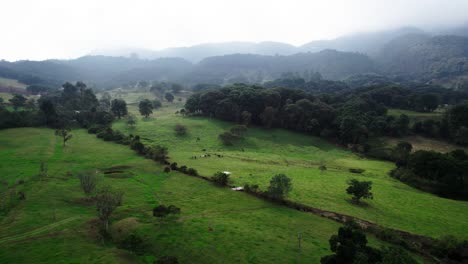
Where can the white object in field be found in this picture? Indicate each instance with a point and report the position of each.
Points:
(237, 188)
(227, 172)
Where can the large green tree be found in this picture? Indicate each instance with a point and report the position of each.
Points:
(280, 186)
(119, 107)
(145, 107)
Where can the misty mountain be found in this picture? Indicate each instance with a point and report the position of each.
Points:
(199, 52)
(425, 58)
(369, 43)
(331, 64)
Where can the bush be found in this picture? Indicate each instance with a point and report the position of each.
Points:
(134, 243)
(251, 188)
(167, 169)
(192, 171)
(174, 166)
(162, 210)
(167, 260)
(220, 178)
(94, 129)
(156, 153)
(180, 130)
(239, 130)
(228, 138)
(183, 169)
(359, 171)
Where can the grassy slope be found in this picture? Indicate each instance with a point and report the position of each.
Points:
(266, 152)
(243, 228)
(12, 83)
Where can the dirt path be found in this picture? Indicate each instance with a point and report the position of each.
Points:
(38, 231)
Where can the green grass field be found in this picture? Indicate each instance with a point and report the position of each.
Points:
(217, 225)
(264, 153)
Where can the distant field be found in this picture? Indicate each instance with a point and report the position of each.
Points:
(416, 116)
(4, 82)
(424, 143)
(216, 225)
(264, 153)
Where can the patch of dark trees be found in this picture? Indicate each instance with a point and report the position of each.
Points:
(349, 117)
(444, 174)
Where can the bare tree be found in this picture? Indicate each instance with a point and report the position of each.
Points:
(107, 200)
(65, 133)
(88, 180)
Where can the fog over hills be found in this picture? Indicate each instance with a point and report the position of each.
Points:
(402, 53)
(369, 43)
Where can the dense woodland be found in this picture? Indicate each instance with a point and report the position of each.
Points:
(352, 118)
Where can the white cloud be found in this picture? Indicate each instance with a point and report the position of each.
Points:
(32, 29)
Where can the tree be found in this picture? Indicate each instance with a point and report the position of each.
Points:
(65, 133)
(18, 101)
(162, 210)
(239, 130)
(156, 104)
(350, 246)
(107, 200)
(246, 117)
(427, 102)
(88, 181)
(359, 189)
(180, 130)
(48, 108)
(280, 186)
(105, 101)
(220, 178)
(145, 107)
(268, 116)
(131, 121)
(119, 107)
(228, 138)
(176, 88)
(402, 152)
(396, 255)
(169, 97)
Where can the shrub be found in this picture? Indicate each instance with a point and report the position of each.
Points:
(239, 130)
(134, 243)
(167, 260)
(94, 129)
(228, 138)
(359, 171)
(167, 169)
(180, 130)
(183, 169)
(251, 188)
(162, 210)
(192, 171)
(156, 153)
(174, 166)
(220, 178)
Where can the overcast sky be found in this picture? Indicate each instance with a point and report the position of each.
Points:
(40, 29)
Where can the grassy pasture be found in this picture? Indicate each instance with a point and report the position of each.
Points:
(264, 153)
(217, 225)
